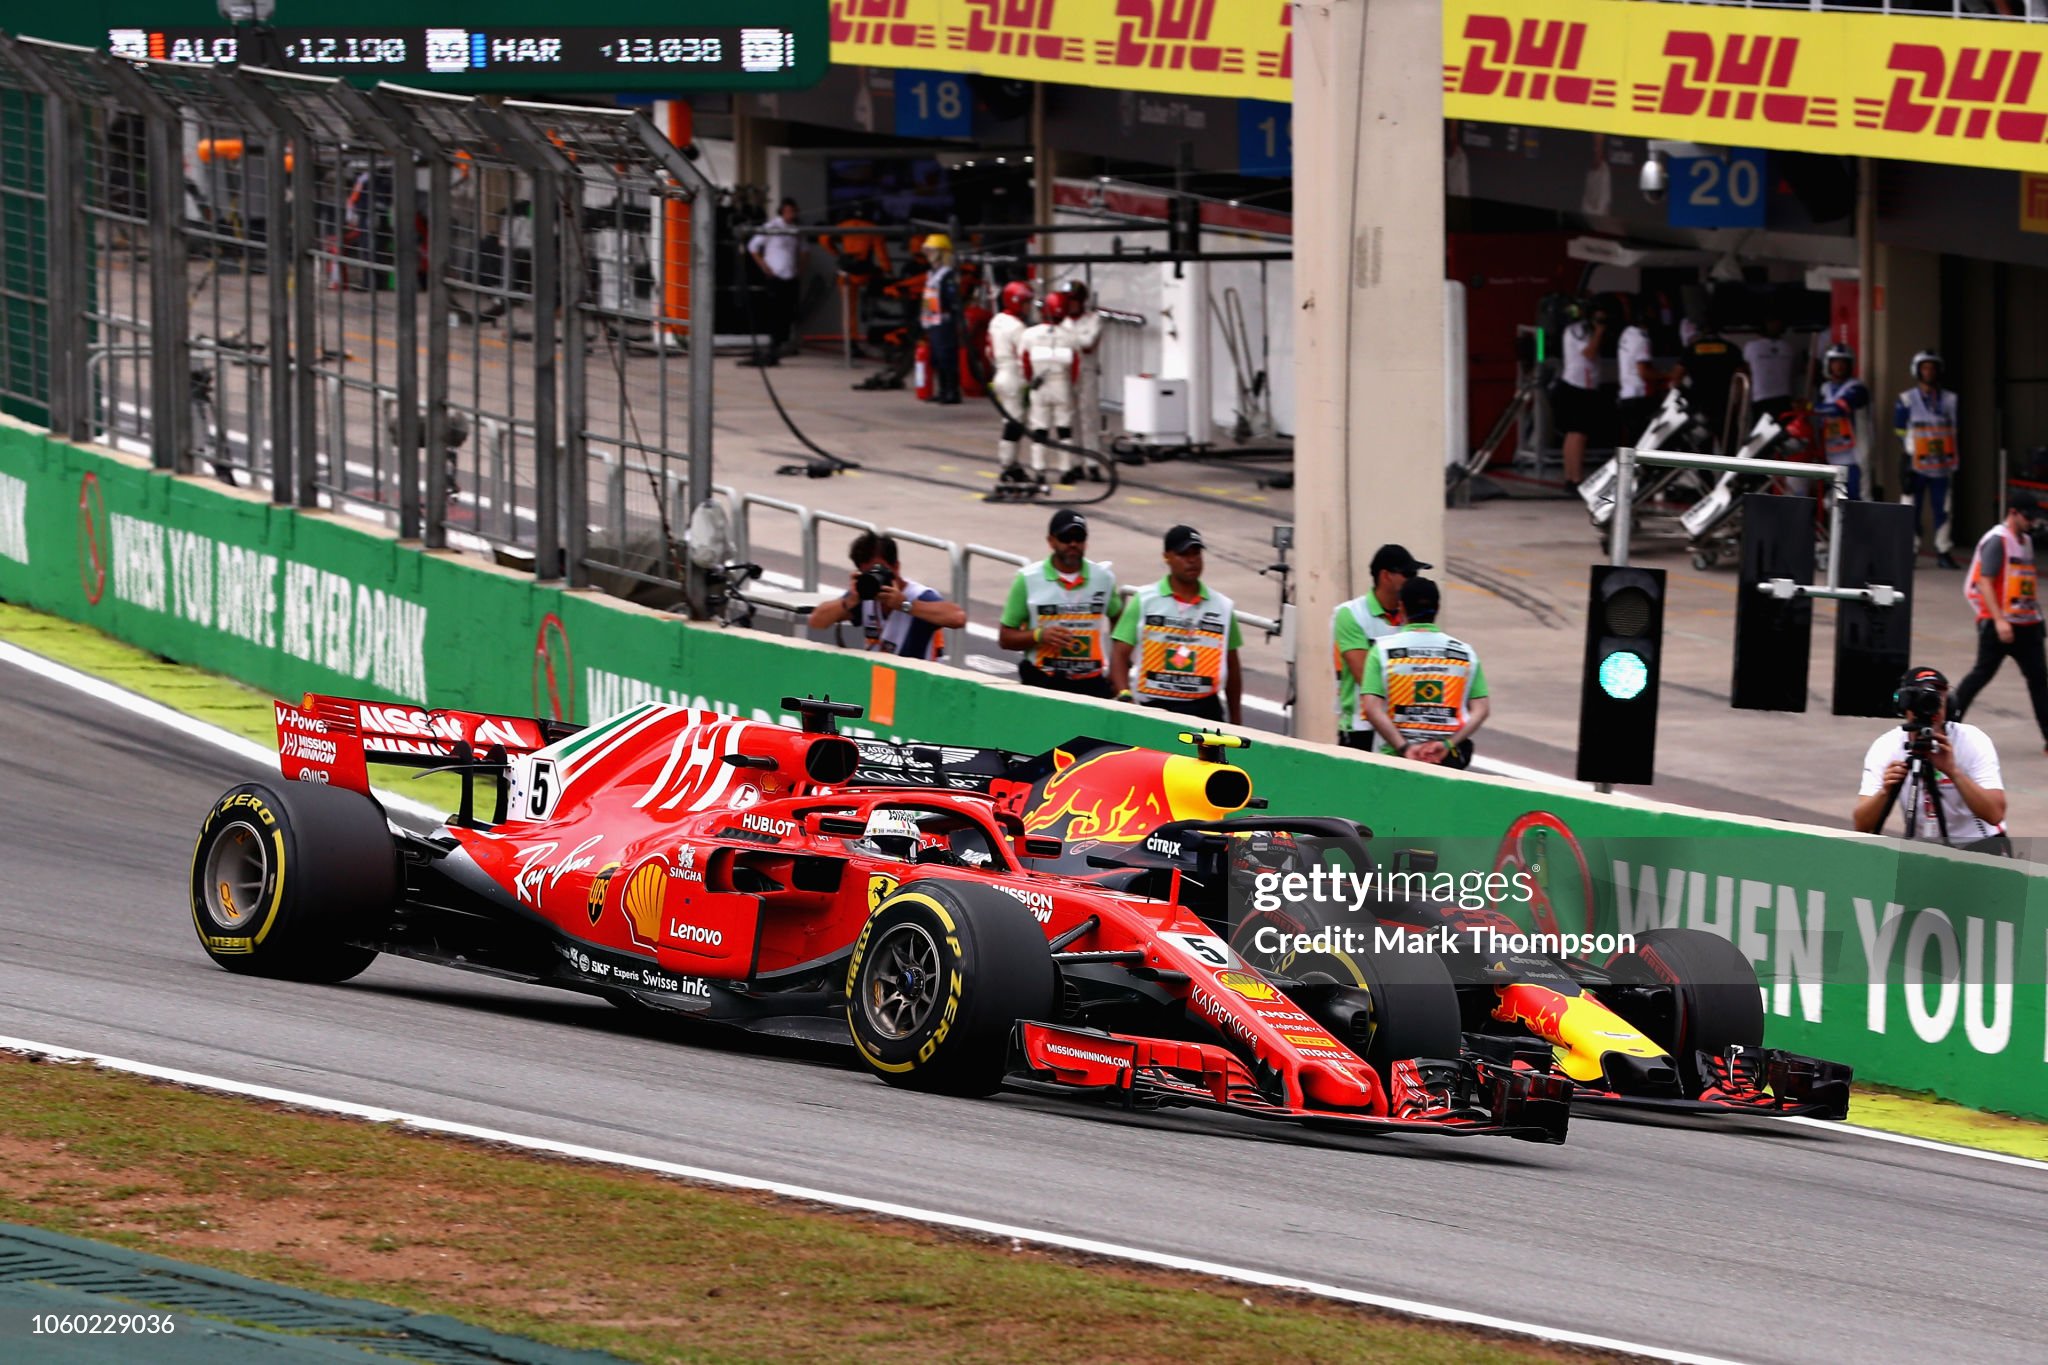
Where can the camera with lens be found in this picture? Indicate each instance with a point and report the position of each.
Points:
(868, 583)
(1919, 704)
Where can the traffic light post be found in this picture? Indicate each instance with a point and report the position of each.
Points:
(1618, 698)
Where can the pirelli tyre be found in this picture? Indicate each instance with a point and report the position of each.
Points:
(1714, 993)
(1410, 1010)
(940, 975)
(286, 874)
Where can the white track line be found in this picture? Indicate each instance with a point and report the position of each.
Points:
(173, 719)
(1925, 1144)
(980, 1226)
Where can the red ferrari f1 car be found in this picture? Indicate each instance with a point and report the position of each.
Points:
(966, 918)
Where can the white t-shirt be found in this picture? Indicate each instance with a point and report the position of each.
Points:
(1771, 363)
(1975, 758)
(779, 244)
(1634, 347)
(1579, 371)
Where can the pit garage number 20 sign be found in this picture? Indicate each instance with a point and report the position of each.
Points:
(1721, 188)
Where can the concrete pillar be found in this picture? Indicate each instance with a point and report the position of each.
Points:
(1369, 309)
(1044, 167)
(1906, 308)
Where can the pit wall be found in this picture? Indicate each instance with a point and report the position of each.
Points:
(291, 602)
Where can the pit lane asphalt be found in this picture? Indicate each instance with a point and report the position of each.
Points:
(1758, 1241)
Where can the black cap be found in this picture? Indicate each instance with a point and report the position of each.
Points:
(2022, 500)
(1419, 599)
(1396, 559)
(1065, 521)
(1925, 677)
(1181, 539)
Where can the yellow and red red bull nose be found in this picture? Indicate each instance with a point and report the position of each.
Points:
(1580, 1030)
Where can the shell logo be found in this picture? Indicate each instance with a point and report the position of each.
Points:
(643, 901)
(1245, 984)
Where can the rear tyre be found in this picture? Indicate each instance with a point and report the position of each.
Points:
(1716, 1002)
(939, 978)
(285, 874)
(1412, 1008)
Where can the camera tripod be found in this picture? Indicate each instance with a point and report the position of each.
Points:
(1921, 775)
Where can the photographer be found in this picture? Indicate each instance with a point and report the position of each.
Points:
(896, 615)
(1944, 773)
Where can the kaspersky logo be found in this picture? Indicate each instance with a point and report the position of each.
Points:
(1532, 59)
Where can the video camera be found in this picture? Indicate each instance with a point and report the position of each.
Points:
(1919, 704)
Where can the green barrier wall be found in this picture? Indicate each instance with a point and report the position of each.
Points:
(1923, 969)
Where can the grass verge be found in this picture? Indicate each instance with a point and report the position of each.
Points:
(235, 707)
(576, 1255)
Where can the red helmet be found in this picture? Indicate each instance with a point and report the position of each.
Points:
(1055, 307)
(1017, 298)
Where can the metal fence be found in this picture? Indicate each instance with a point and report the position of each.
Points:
(464, 319)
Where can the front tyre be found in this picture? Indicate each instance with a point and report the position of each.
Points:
(285, 874)
(940, 976)
(1714, 993)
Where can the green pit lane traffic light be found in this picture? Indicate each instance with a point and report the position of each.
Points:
(1618, 688)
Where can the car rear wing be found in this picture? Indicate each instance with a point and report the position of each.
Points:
(330, 740)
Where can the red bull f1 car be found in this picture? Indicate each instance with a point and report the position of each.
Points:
(964, 918)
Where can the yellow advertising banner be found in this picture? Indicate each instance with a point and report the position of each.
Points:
(1958, 91)
(1235, 48)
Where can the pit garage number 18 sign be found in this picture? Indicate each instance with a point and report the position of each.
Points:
(1723, 189)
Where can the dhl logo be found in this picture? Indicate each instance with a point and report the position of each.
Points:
(880, 21)
(1985, 89)
(1279, 65)
(1168, 35)
(1739, 76)
(1537, 59)
(1015, 28)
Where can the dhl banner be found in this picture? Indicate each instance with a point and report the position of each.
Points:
(1238, 48)
(1958, 91)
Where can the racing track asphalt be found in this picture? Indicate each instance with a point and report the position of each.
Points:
(1762, 1241)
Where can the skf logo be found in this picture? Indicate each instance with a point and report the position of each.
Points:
(1982, 91)
(1741, 77)
(1537, 60)
(878, 22)
(1168, 34)
(1015, 28)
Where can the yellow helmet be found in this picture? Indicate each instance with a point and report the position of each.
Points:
(938, 241)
